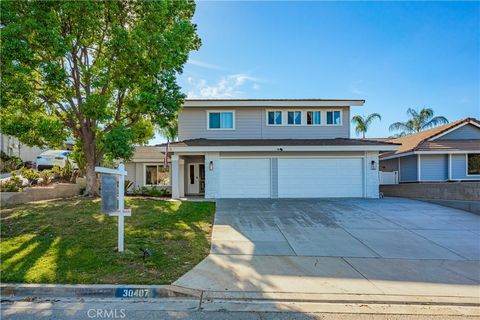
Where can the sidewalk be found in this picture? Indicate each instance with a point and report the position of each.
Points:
(333, 275)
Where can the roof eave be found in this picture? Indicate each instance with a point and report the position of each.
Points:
(283, 148)
(214, 103)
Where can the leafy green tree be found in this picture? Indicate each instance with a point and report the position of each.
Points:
(362, 123)
(103, 72)
(419, 121)
(170, 130)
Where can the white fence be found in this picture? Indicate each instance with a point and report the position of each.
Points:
(388, 177)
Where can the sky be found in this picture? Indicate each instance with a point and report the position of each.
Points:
(395, 55)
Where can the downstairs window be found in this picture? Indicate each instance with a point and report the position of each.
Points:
(157, 175)
(473, 164)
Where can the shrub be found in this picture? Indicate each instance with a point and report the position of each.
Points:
(149, 191)
(13, 184)
(46, 176)
(8, 163)
(65, 174)
(30, 174)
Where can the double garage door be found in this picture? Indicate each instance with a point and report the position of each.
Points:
(290, 178)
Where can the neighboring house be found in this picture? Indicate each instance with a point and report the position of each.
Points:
(447, 153)
(13, 147)
(147, 168)
(272, 148)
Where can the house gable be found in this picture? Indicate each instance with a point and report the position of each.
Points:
(465, 132)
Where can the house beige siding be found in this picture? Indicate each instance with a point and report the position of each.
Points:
(250, 123)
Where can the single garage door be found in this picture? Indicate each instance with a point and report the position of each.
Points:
(245, 178)
(316, 178)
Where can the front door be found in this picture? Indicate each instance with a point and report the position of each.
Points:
(196, 178)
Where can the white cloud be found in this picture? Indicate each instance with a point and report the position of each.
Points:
(355, 89)
(256, 86)
(227, 87)
(204, 64)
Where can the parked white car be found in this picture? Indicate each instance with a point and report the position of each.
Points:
(50, 158)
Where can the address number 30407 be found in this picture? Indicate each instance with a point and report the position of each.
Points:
(133, 293)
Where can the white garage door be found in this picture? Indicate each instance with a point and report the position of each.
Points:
(311, 178)
(245, 178)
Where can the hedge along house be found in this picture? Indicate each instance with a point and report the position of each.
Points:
(147, 168)
(446, 153)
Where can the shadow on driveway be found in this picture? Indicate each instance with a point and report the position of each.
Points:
(361, 246)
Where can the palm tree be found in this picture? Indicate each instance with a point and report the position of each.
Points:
(170, 130)
(362, 123)
(418, 121)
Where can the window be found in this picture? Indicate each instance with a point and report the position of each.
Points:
(274, 117)
(334, 118)
(220, 120)
(294, 117)
(157, 175)
(192, 174)
(473, 160)
(313, 117)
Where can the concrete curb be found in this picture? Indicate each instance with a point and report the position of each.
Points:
(23, 291)
(341, 298)
(92, 291)
(175, 298)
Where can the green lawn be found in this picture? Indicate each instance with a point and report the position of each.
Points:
(70, 241)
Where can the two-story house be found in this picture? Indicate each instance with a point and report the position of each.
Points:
(272, 148)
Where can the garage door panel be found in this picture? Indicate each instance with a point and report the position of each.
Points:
(298, 178)
(245, 178)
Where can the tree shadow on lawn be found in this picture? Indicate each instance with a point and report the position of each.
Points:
(70, 241)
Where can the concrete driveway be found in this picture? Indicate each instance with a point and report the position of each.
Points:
(368, 246)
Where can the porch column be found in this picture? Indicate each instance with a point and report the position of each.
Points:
(419, 168)
(449, 166)
(181, 177)
(177, 164)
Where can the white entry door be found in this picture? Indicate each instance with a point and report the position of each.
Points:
(196, 178)
(244, 178)
(317, 178)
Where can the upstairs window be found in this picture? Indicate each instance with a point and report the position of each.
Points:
(313, 118)
(294, 117)
(274, 118)
(334, 118)
(220, 120)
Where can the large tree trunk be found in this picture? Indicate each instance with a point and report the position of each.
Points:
(91, 177)
(89, 148)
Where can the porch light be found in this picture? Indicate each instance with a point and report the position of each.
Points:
(210, 166)
(373, 165)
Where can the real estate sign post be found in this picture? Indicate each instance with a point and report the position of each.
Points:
(120, 211)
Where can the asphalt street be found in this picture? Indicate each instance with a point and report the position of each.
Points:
(119, 309)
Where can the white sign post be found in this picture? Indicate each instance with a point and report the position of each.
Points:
(121, 212)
